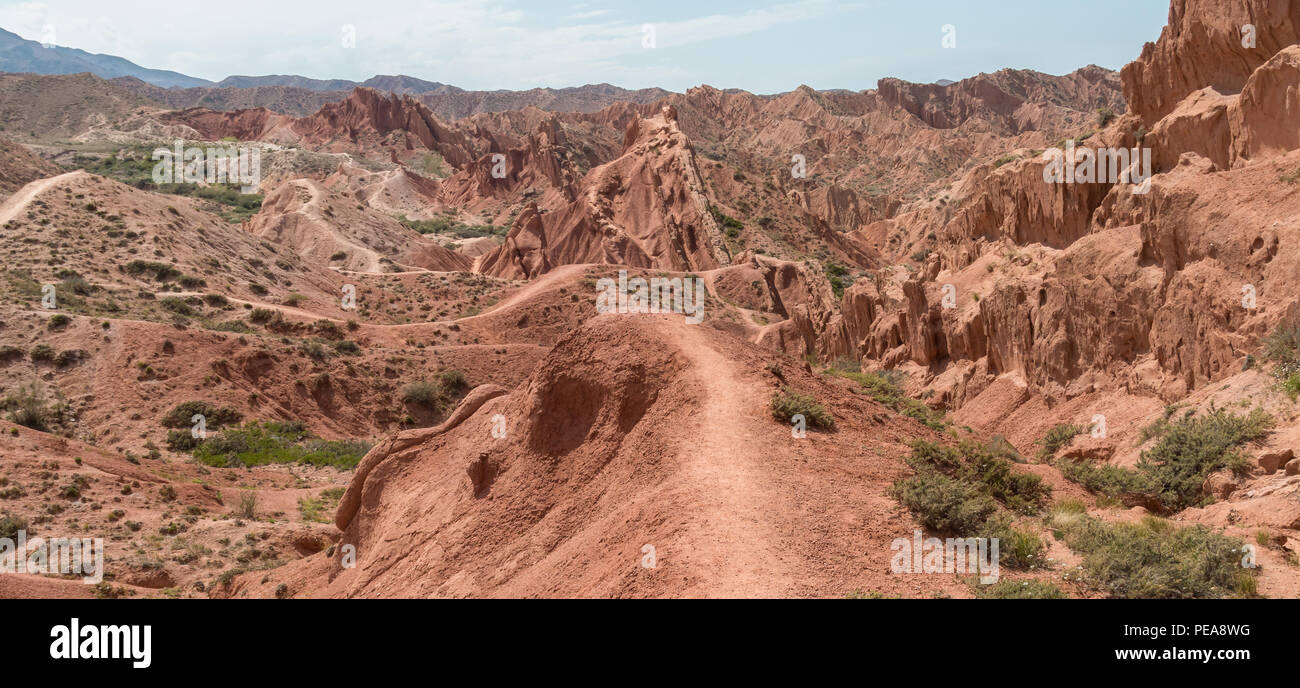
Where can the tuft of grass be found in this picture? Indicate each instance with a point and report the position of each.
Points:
(30, 406)
(1020, 590)
(1056, 438)
(247, 507)
(885, 387)
(789, 403)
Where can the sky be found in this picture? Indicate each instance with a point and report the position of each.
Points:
(762, 46)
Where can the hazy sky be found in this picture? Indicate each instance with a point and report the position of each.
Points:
(761, 46)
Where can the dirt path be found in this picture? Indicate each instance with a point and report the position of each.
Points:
(739, 545)
(17, 202)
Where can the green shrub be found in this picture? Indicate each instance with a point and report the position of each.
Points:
(10, 525)
(58, 320)
(347, 347)
(262, 316)
(960, 490)
(29, 406)
(1021, 492)
(1195, 447)
(1291, 386)
(453, 379)
(422, 392)
(181, 440)
(788, 404)
(1153, 558)
(161, 272)
(177, 306)
(943, 504)
(1056, 438)
(42, 354)
(214, 417)
(838, 276)
(1282, 347)
(1189, 450)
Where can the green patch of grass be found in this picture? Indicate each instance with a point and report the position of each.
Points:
(885, 387)
(315, 508)
(788, 404)
(1153, 558)
(460, 230)
(1020, 590)
(257, 443)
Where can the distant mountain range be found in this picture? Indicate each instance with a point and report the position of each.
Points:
(18, 54)
(292, 94)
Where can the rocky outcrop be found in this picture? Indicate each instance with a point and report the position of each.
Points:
(1204, 46)
(647, 209)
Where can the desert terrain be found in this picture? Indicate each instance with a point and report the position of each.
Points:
(409, 383)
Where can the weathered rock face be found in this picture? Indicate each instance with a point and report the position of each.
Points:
(1202, 46)
(645, 209)
(1001, 97)
(1077, 287)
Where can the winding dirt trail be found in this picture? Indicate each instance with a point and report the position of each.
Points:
(740, 543)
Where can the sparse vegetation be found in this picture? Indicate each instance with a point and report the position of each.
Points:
(885, 387)
(257, 443)
(444, 225)
(1056, 438)
(1153, 558)
(181, 415)
(1170, 474)
(1020, 590)
(788, 403)
(964, 490)
(838, 276)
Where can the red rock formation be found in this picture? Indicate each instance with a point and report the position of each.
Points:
(1203, 46)
(644, 209)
